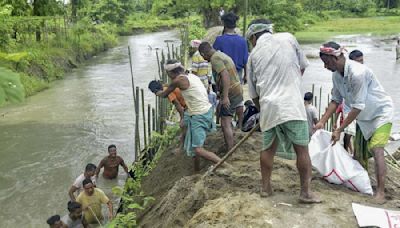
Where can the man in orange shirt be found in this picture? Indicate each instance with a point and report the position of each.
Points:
(176, 98)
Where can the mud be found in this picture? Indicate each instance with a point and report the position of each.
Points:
(186, 199)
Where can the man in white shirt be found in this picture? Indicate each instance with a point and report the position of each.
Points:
(370, 105)
(90, 171)
(275, 66)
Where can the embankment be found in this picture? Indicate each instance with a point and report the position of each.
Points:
(185, 199)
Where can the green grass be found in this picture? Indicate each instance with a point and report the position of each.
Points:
(324, 30)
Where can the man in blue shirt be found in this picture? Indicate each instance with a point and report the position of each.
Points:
(235, 46)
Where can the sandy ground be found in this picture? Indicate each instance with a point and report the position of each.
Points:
(185, 199)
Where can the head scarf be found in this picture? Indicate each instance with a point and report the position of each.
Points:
(169, 67)
(332, 51)
(195, 43)
(256, 28)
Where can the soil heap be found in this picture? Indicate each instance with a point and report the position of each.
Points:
(185, 199)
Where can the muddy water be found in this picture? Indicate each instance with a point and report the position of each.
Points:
(46, 142)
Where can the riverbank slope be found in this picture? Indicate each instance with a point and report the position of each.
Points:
(185, 199)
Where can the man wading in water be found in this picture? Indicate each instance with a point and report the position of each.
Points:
(111, 164)
(90, 170)
(198, 117)
(370, 105)
(276, 65)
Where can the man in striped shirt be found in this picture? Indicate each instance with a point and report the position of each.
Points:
(199, 65)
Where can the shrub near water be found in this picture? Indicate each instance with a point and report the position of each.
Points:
(47, 60)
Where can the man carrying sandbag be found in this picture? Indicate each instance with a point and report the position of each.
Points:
(370, 105)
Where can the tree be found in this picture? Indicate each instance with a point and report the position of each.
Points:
(19, 7)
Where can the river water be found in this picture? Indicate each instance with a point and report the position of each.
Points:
(46, 141)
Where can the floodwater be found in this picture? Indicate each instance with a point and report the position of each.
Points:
(379, 55)
(46, 141)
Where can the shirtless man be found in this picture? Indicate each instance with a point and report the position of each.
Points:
(111, 164)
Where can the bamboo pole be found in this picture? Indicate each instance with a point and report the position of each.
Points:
(312, 91)
(320, 99)
(233, 149)
(144, 120)
(149, 122)
(137, 133)
(158, 63)
(153, 113)
(130, 65)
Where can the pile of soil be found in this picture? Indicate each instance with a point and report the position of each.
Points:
(186, 199)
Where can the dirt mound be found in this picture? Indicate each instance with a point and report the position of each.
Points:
(185, 199)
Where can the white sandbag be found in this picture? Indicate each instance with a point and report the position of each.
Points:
(336, 165)
(375, 217)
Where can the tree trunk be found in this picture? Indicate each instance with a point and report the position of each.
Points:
(211, 17)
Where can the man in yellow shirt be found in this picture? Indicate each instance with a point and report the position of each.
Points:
(91, 199)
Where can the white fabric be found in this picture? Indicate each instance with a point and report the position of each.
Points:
(196, 97)
(70, 223)
(360, 89)
(169, 67)
(275, 77)
(375, 217)
(336, 165)
(78, 181)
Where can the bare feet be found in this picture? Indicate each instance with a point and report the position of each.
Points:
(379, 199)
(266, 191)
(309, 198)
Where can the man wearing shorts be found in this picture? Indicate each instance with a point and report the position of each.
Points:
(275, 67)
(228, 84)
(370, 105)
(199, 116)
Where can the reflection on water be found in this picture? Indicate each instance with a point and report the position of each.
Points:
(47, 141)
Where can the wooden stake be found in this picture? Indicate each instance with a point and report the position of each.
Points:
(144, 120)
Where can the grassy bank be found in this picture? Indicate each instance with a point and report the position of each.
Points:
(322, 31)
(38, 63)
(41, 62)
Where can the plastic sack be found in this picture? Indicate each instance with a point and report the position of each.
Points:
(336, 165)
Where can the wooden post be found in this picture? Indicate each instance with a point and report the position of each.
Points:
(130, 65)
(144, 120)
(137, 134)
(149, 122)
(312, 91)
(158, 63)
(320, 99)
(153, 113)
(173, 51)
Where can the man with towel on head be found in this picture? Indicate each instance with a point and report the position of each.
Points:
(370, 105)
(198, 118)
(275, 67)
